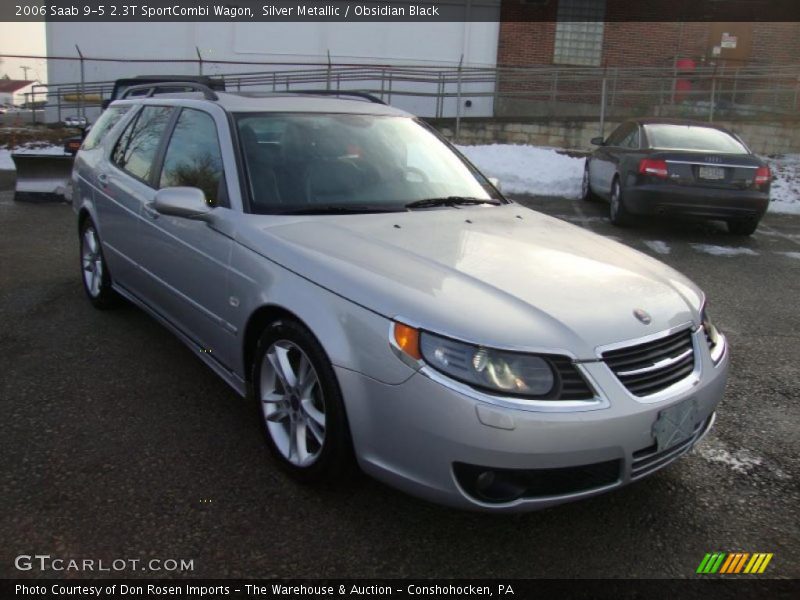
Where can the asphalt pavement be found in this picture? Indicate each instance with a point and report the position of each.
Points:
(117, 443)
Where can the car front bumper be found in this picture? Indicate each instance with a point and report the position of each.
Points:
(704, 203)
(423, 435)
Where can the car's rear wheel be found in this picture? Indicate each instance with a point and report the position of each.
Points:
(617, 213)
(743, 227)
(586, 189)
(301, 404)
(95, 275)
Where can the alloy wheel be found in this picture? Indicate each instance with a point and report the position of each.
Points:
(293, 403)
(91, 262)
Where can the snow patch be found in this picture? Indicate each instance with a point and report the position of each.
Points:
(785, 190)
(529, 169)
(658, 246)
(790, 254)
(723, 250)
(741, 461)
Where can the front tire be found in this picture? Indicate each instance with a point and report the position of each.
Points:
(95, 275)
(586, 188)
(747, 227)
(301, 405)
(617, 213)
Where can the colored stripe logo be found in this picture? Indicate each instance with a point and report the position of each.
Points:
(733, 563)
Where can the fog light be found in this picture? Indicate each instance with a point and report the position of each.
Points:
(484, 481)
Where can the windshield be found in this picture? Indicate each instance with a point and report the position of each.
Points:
(692, 138)
(299, 162)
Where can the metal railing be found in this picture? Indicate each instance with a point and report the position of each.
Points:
(536, 92)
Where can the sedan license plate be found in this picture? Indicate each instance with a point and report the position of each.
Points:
(715, 173)
(675, 424)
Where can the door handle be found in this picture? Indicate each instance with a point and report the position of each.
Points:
(151, 211)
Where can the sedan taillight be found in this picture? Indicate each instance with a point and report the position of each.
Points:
(763, 176)
(656, 168)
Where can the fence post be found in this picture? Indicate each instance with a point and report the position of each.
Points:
(389, 101)
(713, 98)
(328, 75)
(199, 61)
(603, 90)
(458, 100)
(81, 109)
(554, 87)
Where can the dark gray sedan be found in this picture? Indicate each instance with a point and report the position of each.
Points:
(678, 168)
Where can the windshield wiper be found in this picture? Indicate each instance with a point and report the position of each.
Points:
(337, 209)
(451, 201)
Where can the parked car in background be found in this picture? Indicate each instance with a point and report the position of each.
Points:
(341, 263)
(76, 121)
(678, 168)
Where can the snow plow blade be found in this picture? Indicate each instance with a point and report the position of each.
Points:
(42, 177)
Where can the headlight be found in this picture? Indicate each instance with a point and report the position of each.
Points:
(509, 373)
(716, 342)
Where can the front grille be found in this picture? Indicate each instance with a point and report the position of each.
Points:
(498, 486)
(649, 460)
(648, 368)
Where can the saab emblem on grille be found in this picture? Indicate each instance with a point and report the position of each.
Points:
(642, 316)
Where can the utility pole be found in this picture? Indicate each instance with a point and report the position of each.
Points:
(25, 70)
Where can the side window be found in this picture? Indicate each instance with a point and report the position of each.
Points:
(136, 149)
(631, 140)
(619, 134)
(193, 157)
(104, 124)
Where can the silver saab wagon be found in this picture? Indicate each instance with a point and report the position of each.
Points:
(386, 305)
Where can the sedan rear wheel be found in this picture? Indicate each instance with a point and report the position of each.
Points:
(747, 227)
(618, 214)
(301, 405)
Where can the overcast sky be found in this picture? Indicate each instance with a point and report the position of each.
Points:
(22, 38)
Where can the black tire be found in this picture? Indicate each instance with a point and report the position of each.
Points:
(335, 458)
(617, 212)
(92, 261)
(586, 189)
(743, 227)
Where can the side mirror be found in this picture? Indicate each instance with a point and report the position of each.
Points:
(496, 183)
(597, 141)
(187, 202)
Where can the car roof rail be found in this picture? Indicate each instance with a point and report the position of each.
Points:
(355, 94)
(166, 87)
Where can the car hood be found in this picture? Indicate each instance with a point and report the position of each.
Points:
(501, 276)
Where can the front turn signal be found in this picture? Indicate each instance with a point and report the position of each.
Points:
(407, 339)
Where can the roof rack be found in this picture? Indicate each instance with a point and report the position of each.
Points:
(363, 95)
(165, 87)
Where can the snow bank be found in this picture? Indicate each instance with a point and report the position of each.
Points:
(785, 190)
(529, 169)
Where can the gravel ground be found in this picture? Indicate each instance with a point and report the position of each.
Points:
(117, 443)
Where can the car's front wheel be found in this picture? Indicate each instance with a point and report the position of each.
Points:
(747, 227)
(95, 275)
(586, 188)
(617, 213)
(301, 405)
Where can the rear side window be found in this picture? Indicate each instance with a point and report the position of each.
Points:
(193, 156)
(693, 138)
(104, 124)
(619, 134)
(138, 145)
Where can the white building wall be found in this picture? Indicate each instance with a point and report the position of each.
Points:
(361, 43)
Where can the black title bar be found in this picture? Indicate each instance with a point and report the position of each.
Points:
(392, 10)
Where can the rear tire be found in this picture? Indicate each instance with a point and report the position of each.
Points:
(617, 213)
(747, 227)
(302, 410)
(95, 275)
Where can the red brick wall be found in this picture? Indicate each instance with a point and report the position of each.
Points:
(634, 43)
